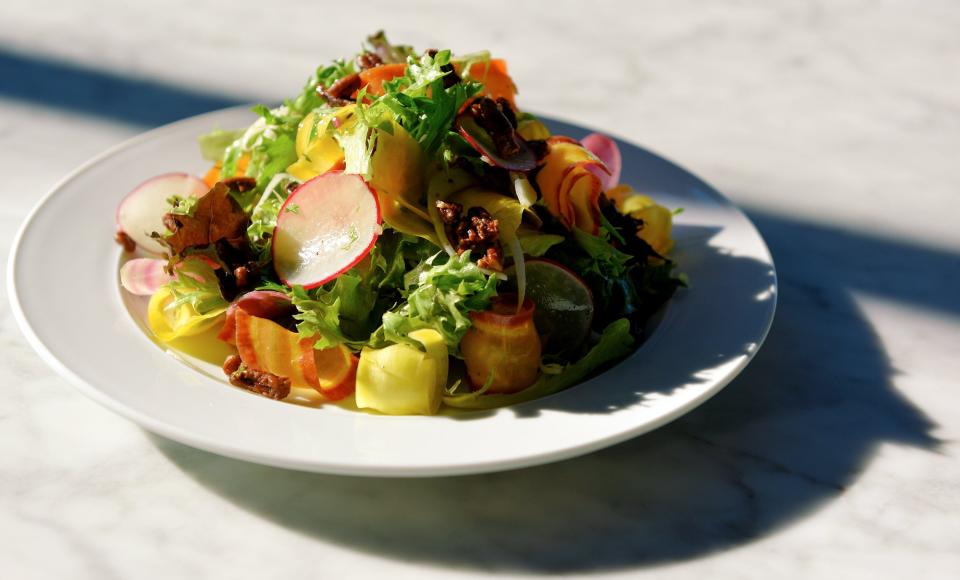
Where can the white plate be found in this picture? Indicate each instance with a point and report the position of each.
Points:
(63, 285)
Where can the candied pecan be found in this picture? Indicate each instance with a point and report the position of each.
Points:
(451, 77)
(477, 232)
(505, 108)
(231, 364)
(450, 216)
(340, 93)
(262, 383)
(343, 88)
(492, 259)
(449, 211)
(248, 275)
(368, 60)
(492, 119)
(126, 241)
(241, 273)
(479, 228)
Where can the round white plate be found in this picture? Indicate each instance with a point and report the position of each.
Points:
(63, 285)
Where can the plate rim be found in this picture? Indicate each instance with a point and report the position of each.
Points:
(184, 436)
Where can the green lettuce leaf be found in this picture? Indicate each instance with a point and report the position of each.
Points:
(604, 259)
(214, 143)
(422, 105)
(388, 53)
(319, 315)
(440, 296)
(273, 157)
(196, 284)
(536, 244)
(263, 216)
(349, 310)
(343, 311)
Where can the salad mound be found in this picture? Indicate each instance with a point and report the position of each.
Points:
(402, 233)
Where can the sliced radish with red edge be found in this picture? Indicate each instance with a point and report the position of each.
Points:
(525, 160)
(143, 276)
(607, 151)
(325, 227)
(141, 212)
(564, 302)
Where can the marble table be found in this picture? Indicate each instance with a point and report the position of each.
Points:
(835, 124)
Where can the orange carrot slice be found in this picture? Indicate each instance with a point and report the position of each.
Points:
(268, 347)
(373, 78)
(496, 82)
(213, 176)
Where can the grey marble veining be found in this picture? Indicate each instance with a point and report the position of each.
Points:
(834, 455)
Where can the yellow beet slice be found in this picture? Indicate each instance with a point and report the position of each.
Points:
(402, 380)
(171, 323)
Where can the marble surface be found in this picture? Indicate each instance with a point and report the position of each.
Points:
(834, 455)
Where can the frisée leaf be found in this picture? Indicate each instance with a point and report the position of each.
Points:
(440, 295)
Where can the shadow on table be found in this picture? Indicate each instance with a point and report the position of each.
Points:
(793, 431)
(52, 83)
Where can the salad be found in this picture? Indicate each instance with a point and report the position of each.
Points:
(401, 235)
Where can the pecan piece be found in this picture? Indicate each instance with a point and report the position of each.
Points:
(477, 232)
(231, 364)
(340, 93)
(490, 115)
(368, 60)
(451, 77)
(126, 241)
(262, 383)
(246, 274)
(492, 259)
(478, 229)
(507, 111)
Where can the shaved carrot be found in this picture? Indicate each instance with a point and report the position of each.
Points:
(493, 74)
(373, 78)
(496, 82)
(213, 176)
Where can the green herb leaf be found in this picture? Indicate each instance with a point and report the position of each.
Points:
(182, 205)
(214, 143)
(196, 284)
(605, 260)
(440, 295)
(388, 53)
(537, 244)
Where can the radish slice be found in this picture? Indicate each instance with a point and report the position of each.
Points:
(565, 307)
(143, 276)
(523, 161)
(141, 212)
(325, 227)
(606, 150)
